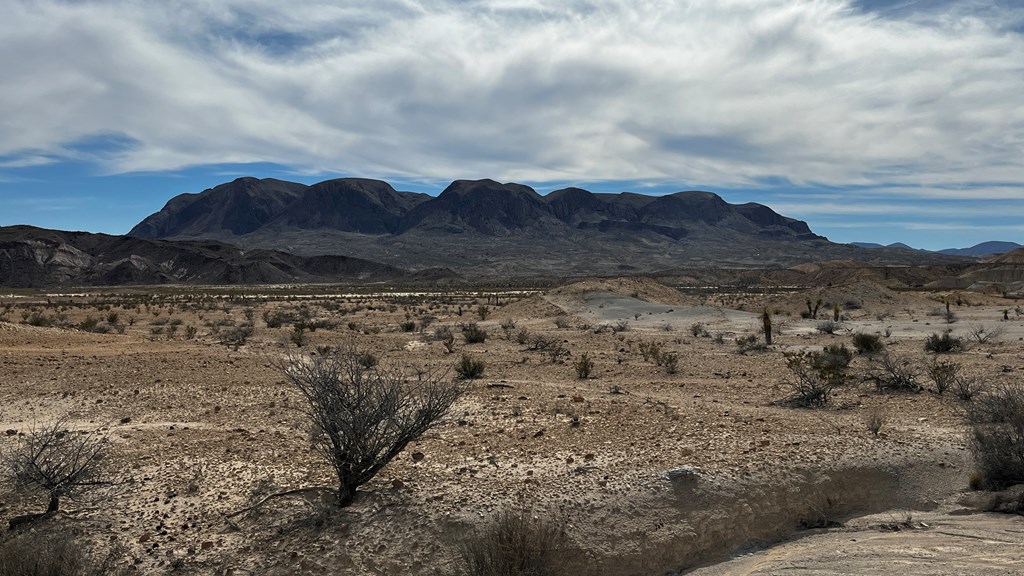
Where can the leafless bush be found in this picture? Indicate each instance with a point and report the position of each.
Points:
(364, 417)
(828, 326)
(55, 460)
(984, 335)
(749, 343)
(813, 383)
(895, 374)
(561, 322)
(943, 374)
(46, 555)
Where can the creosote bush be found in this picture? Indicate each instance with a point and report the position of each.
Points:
(363, 417)
(867, 343)
(583, 366)
(470, 368)
(945, 343)
(473, 333)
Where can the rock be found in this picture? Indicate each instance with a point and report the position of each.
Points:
(11, 432)
(206, 546)
(418, 456)
(680, 473)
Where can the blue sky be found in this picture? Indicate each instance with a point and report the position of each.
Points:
(873, 120)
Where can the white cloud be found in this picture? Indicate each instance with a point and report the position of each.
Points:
(708, 93)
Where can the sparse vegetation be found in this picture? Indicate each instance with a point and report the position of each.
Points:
(516, 544)
(828, 326)
(895, 374)
(474, 334)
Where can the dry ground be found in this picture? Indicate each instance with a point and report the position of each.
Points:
(200, 429)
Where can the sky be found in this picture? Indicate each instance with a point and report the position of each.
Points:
(873, 120)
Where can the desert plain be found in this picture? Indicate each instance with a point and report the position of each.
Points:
(699, 464)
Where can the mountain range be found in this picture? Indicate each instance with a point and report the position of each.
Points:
(982, 250)
(351, 229)
(489, 228)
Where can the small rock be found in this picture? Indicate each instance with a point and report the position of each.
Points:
(11, 432)
(418, 456)
(397, 484)
(538, 433)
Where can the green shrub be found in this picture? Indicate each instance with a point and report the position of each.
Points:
(470, 368)
(868, 343)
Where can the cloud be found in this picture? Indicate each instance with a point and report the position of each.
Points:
(729, 93)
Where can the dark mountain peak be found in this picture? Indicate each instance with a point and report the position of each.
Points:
(484, 206)
(347, 204)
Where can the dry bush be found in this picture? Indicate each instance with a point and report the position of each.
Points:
(997, 436)
(55, 460)
(984, 335)
(473, 333)
(517, 544)
(943, 374)
(817, 375)
(584, 366)
(32, 555)
(896, 374)
(748, 344)
(364, 417)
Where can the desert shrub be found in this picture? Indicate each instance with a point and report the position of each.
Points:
(39, 320)
(583, 366)
(943, 374)
(190, 332)
(236, 335)
(367, 360)
(997, 436)
(699, 330)
(470, 368)
(966, 388)
(651, 351)
(364, 417)
(483, 312)
(867, 343)
(516, 544)
(474, 334)
(809, 386)
(445, 335)
(278, 318)
(407, 326)
(984, 335)
(55, 460)
(523, 336)
(508, 327)
(562, 322)
(621, 326)
(43, 555)
(895, 374)
(541, 342)
(817, 375)
(298, 335)
(828, 326)
(945, 343)
(875, 420)
(670, 360)
(749, 343)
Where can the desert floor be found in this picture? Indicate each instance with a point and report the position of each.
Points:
(650, 471)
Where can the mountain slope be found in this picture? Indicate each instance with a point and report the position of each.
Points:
(35, 257)
(982, 250)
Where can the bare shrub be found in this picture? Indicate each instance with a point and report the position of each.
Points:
(651, 351)
(997, 436)
(895, 374)
(984, 335)
(236, 335)
(561, 322)
(444, 334)
(748, 344)
(966, 388)
(670, 360)
(55, 460)
(875, 420)
(699, 330)
(828, 326)
(364, 417)
(508, 327)
(516, 544)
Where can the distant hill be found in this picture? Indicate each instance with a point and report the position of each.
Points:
(873, 245)
(35, 257)
(982, 250)
(483, 226)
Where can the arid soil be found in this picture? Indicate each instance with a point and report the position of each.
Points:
(651, 471)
